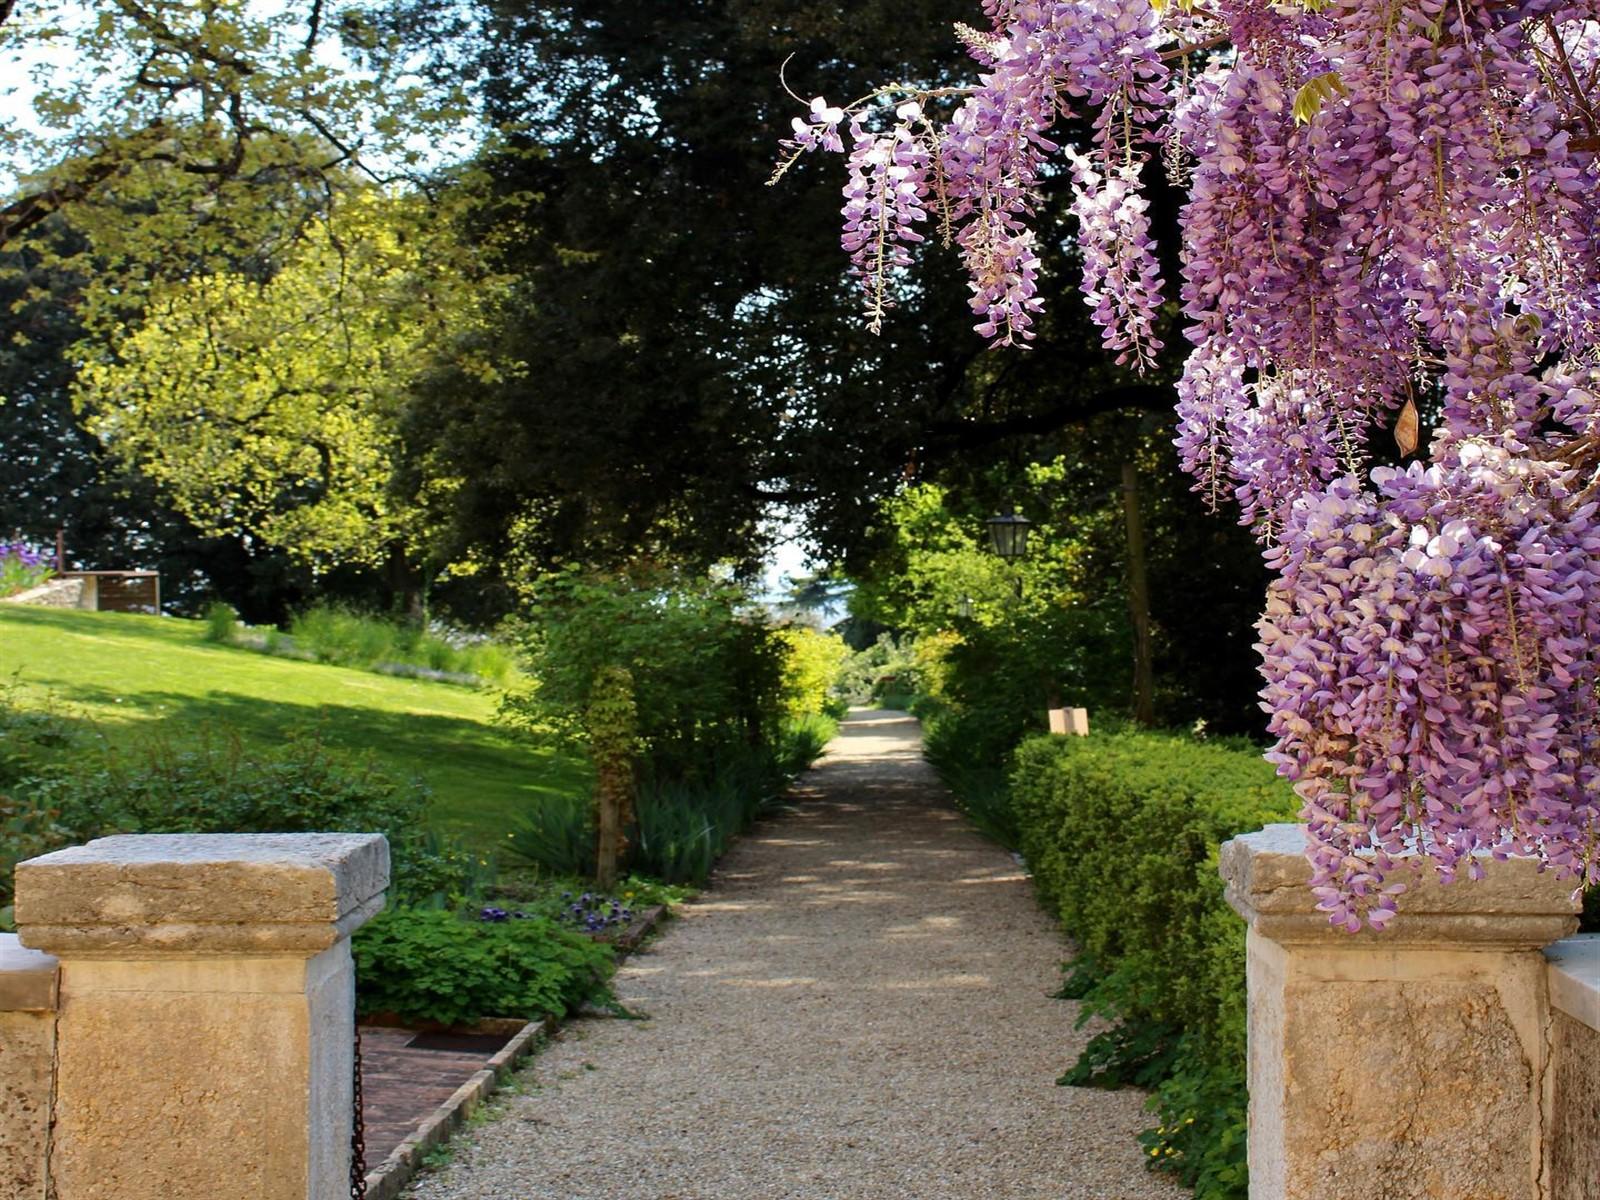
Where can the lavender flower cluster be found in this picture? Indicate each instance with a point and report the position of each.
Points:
(1393, 213)
(21, 567)
(591, 912)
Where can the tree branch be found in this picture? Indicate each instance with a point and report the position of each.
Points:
(965, 435)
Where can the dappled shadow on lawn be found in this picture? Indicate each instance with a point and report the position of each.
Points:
(481, 776)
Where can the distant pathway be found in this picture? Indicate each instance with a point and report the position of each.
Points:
(858, 1009)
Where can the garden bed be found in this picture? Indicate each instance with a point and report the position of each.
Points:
(421, 1080)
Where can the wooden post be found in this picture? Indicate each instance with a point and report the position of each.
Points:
(1138, 600)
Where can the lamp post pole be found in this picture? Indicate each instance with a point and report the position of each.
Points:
(1138, 600)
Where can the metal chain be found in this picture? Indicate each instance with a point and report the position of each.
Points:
(358, 1131)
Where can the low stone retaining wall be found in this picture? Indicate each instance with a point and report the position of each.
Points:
(57, 593)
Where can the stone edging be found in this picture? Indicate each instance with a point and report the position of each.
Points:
(387, 1180)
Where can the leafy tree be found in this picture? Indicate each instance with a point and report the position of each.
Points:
(234, 96)
(270, 409)
(695, 358)
(1053, 627)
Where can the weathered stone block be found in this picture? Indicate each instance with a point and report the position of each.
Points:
(205, 1033)
(27, 1055)
(201, 893)
(1404, 1064)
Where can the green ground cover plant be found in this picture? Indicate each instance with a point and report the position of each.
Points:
(435, 965)
(139, 678)
(1121, 831)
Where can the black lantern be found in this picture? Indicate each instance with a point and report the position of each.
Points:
(964, 607)
(1008, 536)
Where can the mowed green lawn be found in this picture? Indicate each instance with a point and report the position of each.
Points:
(137, 676)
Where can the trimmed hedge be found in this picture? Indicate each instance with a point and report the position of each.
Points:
(1121, 832)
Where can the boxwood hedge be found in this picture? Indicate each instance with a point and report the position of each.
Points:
(1121, 832)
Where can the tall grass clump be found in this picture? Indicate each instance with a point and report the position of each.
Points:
(222, 623)
(332, 633)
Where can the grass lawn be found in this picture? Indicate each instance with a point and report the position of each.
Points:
(138, 676)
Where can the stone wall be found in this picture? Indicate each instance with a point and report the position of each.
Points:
(1575, 1050)
(28, 990)
(58, 593)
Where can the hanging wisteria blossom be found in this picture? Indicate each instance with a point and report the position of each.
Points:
(1392, 218)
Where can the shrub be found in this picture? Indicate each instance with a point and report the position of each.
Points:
(811, 668)
(1121, 831)
(335, 634)
(216, 785)
(222, 623)
(803, 740)
(431, 965)
(707, 669)
(887, 664)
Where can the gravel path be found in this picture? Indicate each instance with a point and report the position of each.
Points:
(858, 1009)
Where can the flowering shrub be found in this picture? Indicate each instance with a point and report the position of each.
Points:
(1392, 223)
(21, 567)
(590, 912)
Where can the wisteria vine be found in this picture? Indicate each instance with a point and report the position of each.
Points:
(1392, 221)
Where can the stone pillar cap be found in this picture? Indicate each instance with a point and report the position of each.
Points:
(149, 894)
(28, 978)
(1515, 905)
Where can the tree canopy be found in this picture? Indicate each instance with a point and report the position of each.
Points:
(693, 357)
(271, 408)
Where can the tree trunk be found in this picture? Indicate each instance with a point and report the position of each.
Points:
(613, 738)
(1138, 601)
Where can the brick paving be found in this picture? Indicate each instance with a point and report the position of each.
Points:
(402, 1085)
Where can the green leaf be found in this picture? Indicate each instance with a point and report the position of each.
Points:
(1314, 93)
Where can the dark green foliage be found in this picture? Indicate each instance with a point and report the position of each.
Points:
(431, 965)
(1121, 831)
(556, 834)
(682, 825)
(707, 670)
(217, 785)
(709, 356)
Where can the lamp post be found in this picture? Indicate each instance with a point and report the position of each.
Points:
(1008, 538)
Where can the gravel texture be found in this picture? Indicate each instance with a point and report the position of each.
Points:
(859, 1008)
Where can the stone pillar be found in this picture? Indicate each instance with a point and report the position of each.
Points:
(27, 1070)
(205, 1032)
(1404, 1064)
